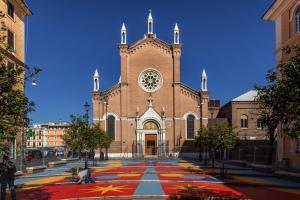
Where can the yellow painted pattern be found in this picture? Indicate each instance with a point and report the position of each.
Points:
(102, 169)
(114, 163)
(106, 189)
(186, 165)
(128, 175)
(46, 180)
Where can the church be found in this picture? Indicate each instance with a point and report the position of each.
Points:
(150, 112)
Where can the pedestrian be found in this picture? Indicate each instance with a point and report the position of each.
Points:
(8, 170)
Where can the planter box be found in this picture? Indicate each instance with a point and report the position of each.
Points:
(31, 170)
(56, 163)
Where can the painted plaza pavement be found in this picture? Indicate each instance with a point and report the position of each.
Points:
(149, 179)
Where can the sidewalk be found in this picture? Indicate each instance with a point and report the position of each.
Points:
(294, 176)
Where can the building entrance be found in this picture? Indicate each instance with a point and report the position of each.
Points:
(150, 144)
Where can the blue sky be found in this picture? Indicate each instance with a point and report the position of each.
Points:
(69, 39)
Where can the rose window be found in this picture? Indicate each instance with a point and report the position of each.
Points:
(150, 80)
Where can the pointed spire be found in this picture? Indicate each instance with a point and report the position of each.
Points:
(96, 81)
(150, 16)
(96, 74)
(123, 27)
(150, 23)
(204, 81)
(176, 27)
(204, 74)
(123, 34)
(176, 34)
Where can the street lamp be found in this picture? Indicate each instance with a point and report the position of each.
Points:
(106, 125)
(87, 107)
(106, 104)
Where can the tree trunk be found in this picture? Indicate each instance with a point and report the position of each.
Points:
(106, 153)
(271, 147)
(213, 158)
(223, 164)
(199, 157)
(86, 161)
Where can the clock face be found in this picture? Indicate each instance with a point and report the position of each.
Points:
(150, 80)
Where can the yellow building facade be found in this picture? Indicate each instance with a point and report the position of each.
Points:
(286, 15)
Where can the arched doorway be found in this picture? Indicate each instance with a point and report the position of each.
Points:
(151, 130)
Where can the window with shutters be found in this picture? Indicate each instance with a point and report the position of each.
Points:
(11, 40)
(10, 10)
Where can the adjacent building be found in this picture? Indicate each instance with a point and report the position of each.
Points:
(286, 15)
(15, 13)
(47, 135)
(150, 111)
(242, 114)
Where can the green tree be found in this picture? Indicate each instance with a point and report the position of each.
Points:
(279, 100)
(81, 136)
(73, 137)
(14, 105)
(217, 137)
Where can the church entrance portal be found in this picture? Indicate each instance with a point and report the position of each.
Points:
(150, 144)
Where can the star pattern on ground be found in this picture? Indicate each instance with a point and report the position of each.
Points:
(191, 188)
(109, 188)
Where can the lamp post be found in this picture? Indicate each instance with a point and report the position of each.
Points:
(106, 126)
(87, 107)
(106, 104)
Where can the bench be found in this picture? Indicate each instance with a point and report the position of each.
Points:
(56, 163)
(31, 170)
(70, 159)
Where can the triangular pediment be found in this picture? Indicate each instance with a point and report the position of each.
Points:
(150, 114)
(150, 41)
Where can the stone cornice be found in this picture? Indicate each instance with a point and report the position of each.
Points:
(277, 8)
(113, 91)
(189, 91)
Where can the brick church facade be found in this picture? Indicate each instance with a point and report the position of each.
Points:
(150, 112)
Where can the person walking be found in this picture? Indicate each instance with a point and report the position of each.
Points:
(8, 170)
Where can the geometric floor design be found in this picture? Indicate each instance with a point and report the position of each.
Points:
(132, 179)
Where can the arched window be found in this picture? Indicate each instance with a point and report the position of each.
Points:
(297, 20)
(111, 132)
(190, 129)
(244, 121)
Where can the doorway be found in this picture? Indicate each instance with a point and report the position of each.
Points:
(150, 144)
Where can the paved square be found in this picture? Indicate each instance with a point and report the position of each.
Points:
(145, 179)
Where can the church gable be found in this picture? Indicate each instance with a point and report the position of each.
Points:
(150, 41)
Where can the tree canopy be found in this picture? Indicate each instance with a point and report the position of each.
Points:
(218, 137)
(14, 105)
(81, 136)
(279, 100)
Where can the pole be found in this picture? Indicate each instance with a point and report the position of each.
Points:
(22, 151)
(43, 148)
